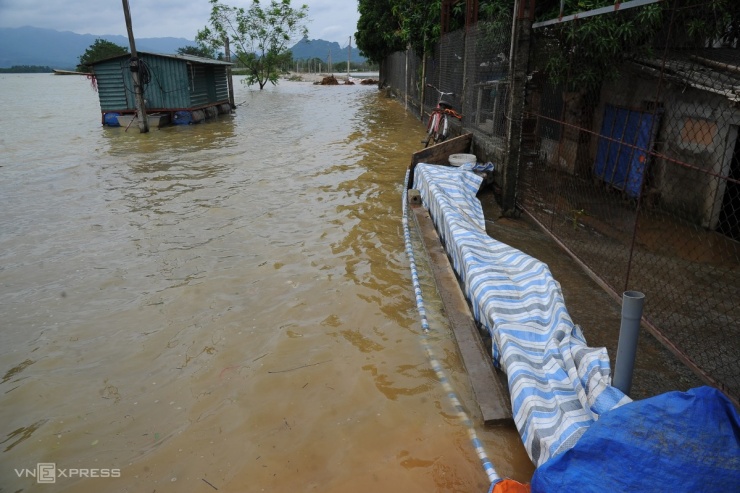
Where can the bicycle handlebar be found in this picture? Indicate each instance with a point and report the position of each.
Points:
(441, 93)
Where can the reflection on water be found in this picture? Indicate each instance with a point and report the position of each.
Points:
(224, 305)
(17, 436)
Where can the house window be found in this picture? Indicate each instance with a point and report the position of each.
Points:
(698, 133)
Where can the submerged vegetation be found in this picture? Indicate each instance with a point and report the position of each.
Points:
(258, 36)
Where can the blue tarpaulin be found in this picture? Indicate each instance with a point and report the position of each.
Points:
(674, 442)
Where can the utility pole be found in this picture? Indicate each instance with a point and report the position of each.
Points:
(331, 67)
(349, 55)
(135, 66)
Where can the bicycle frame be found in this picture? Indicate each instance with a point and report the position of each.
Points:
(438, 126)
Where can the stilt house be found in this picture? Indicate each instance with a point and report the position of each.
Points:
(179, 89)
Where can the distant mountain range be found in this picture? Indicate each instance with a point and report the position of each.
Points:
(57, 49)
(62, 49)
(318, 48)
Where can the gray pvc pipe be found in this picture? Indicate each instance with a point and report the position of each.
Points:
(629, 330)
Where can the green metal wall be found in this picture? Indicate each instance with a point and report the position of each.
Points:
(174, 84)
(112, 86)
(169, 86)
(221, 83)
(199, 94)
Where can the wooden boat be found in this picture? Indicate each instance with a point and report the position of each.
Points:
(440, 153)
(489, 385)
(67, 72)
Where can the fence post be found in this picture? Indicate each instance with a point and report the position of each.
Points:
(423, 84)
(518, 64)
(406, 80)
(464, 91)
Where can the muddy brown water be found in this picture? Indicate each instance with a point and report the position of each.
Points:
(224, 306)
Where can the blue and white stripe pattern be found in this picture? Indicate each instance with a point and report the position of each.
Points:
(558, 385)
(493, 477)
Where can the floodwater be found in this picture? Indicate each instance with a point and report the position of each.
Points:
(221, 307)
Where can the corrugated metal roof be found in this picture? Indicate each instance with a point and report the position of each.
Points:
(197, 59)
(187, 58)
(715, 70)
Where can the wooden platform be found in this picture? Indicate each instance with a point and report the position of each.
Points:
(155, 120)
(440, 153)
(489, 385)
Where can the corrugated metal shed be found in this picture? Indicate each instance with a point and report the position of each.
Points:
(173, 83)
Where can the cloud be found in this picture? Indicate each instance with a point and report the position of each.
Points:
(331, 20)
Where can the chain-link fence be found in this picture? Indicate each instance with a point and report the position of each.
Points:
(487, 79)
(629, 158)
(402, 72)
(637, 174)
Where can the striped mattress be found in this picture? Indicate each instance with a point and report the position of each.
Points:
(559, 386)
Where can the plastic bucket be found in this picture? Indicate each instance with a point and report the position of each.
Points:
(183, 118)
(460, 159)
(111, 119)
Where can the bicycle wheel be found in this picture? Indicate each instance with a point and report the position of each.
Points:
(432, 127)
(442, 130)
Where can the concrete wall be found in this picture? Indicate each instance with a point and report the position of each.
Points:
(696, 134)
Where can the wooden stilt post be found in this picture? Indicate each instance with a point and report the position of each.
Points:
(349, 55)
(227, 54)
(135, 67)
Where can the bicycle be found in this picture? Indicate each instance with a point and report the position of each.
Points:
(438, 127)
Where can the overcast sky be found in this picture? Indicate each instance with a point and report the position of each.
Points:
(332, 20)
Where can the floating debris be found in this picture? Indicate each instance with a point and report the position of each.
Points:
(328, 81)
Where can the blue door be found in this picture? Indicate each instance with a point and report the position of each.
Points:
(625, 141)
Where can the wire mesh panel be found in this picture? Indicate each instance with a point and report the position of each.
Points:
(637, 171)
(451, 63)
(487, 77)
(431, 76)
(393, 71)
(414, 83)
